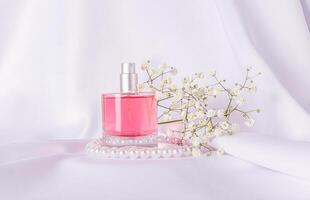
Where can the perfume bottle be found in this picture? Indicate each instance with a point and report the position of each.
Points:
(129, 113)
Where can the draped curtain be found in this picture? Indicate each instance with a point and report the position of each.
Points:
(57, 58)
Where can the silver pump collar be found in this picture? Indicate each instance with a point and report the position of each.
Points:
(128, 78)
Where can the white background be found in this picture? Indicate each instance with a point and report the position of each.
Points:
(57, 57)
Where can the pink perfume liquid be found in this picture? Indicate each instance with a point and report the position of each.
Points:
(129, 115)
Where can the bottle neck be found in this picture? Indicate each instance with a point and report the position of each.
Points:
(128, 78)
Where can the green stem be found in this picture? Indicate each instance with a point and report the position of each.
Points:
(171, 121)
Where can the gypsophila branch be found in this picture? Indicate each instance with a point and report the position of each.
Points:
(189, 104)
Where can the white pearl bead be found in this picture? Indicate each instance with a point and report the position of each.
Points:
(175, 153)
(104, 153)
(133, 154)
(166, 153)
(155, 153)
(148, 152)
(144, 154)
(113, 153)
(187, 151)
(179, 152)
(118, 147)
(122, 154)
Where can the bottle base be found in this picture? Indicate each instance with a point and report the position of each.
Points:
(138, 140)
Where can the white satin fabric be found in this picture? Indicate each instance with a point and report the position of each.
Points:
(57, 57)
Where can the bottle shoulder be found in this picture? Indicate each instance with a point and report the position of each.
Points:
(129, 95)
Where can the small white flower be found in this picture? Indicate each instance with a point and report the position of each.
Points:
(235, 91)
(179, 94)
(209, 127)
(191, 125)
(168, 81)
(163, 82)
(173, 105)
(196, 152)
(249, 122)
(211, 73)
(200, 109)
(220, 151)
(173, 87)
(152, 88)
(197, 105)
(211, 113)
(195, 91)
(253, 89)
(184, 106)
(200, 114)
(141, 87)
(205, 100)
(174, 71)
(145, 66)
(224, 125)
(235, 128)
(152, 71)
(201, 92)
(239, 100)
(191, 102)
(213, 91)
(162, 67)
(203, 122)
(186, 80)
(200, 75)
(220, 113)
(191, 116)
(187, 87)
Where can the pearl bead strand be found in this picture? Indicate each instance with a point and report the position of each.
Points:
(149, 147)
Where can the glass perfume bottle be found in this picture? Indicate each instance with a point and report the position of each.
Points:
(129, 113)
